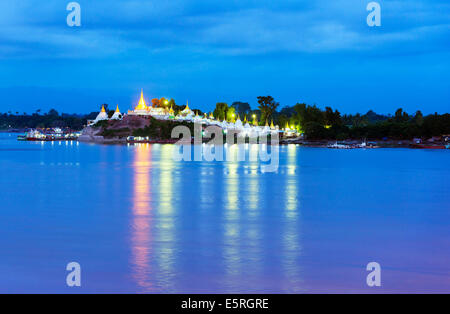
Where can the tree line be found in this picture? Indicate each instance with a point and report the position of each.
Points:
(317, 123)
(52, 119)
(312, 121)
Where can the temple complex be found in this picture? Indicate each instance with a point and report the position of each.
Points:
(159, 112)
(143, 110)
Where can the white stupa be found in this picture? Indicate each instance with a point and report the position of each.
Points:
(197, 118)
(117, 115)
(101, 116)
(266, 129)
(238, 124)
(187, 111)
(189, 117)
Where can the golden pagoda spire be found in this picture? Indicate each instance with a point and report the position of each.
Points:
(117, 109)
(142, 105)
(287, 126)
(103, 108)
(267, 123)
(245, 119)
(238, 118)
(187, 105)
(271, 125)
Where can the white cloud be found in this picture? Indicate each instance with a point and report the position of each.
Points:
(37, 29)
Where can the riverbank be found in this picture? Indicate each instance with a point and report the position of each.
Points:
(368, 144)
(13, 130)
(138, 129)
(119, 131)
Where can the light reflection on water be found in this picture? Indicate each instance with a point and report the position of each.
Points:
(165, 252)
(153, 228)
(292, 236)
(232, 231)
(142, 220)
(242, 249)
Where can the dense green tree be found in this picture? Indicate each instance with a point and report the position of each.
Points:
(359, 121)
(268, 106)
(282, 120)
(372, 117)
(231, 114)
(220, 113)
(52, 112)
(401, 116)
(242, 108)
(332, 118)
(163, 102)
(314, 130)
(418, 118)
(305, 114)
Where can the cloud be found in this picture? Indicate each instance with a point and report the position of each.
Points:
(37, 29)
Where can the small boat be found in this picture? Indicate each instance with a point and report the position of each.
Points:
(22, 137)
(147, 140)
(428, 146)
(372, 145)
(339, 146)
(37, 136)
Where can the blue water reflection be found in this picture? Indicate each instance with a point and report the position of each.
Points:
(138, 221)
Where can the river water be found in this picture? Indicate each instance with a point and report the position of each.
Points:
(138, 221)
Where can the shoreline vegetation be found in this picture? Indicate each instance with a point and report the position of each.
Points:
(318, 127)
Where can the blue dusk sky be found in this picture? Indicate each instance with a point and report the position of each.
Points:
(207, 51)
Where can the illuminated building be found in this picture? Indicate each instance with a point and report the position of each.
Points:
(159, 111)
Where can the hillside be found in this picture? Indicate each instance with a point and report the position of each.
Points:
(117, 131)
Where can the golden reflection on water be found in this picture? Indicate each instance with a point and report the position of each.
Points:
(153, 228)
(141, 222)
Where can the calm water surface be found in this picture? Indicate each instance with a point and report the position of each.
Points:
(137, 221)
